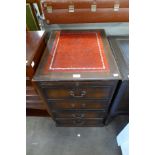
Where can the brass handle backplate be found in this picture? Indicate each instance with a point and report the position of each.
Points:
(73, 94)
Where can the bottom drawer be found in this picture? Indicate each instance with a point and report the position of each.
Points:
(79, 122)
(35, 104)
(82, 114)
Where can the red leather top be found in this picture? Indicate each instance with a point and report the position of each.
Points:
(77, 52)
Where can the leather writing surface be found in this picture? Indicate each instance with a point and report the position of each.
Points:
(77, 51)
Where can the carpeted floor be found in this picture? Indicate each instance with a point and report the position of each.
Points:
(43, 138)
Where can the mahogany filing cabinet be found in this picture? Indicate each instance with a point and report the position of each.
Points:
(77, 77)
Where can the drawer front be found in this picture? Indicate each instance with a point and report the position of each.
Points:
(35, 104)
(79, 122)
(77, 114)
(30, 91)
(103, 92)
(33, 100)
(28, 82)
(32, 97)
(71, 84)
(76, 104)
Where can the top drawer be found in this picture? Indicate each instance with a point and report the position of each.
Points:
(79, 91)
(72, 84)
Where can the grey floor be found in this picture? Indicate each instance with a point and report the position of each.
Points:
(43, 138)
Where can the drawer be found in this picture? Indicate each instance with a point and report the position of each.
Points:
(79, 122)
(32, 97)
(78, 104)
(33, 100)
(79, 114)
(35, 104)
(94, 92)
(73, 84)
(28, 82)
(30, 91)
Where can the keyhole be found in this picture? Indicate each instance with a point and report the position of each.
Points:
(73, 105)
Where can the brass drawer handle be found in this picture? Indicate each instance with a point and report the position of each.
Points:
(80, 116)
(78, 122)
(82, 94)
(71, 8)
(73, 105)
(83, 105)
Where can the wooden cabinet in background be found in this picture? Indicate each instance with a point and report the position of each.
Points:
(85, 11)
(35, 44)
(120, 48)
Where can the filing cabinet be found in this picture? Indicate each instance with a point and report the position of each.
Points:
(77, 77)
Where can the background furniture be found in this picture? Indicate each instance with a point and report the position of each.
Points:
(33, 12)
(82, 11)
(35, 44)
(76, 11)
(120, 48)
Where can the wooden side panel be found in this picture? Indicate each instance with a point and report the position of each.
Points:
(35, 45)
(33, 100)
(37, 112)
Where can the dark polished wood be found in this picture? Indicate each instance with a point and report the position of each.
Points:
(80, 101)
(62, 16)
(120, 48)
(63, 4)
(33, 100)
(102, 92)
(79, 114)
(35, 45)
(82, 11)
(37, 112)
(78, 104)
